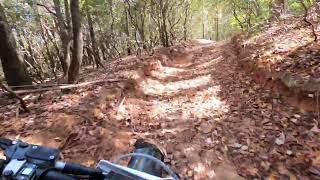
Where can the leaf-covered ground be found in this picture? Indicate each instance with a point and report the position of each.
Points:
(285, 54)
(194, 101)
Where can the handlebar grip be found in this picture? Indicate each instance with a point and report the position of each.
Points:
(54, 175)
(77, 169)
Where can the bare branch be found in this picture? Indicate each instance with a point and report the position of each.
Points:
(305, 18)
(47, 8)
(11, 92)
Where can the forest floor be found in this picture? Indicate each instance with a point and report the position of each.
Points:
(210, 116)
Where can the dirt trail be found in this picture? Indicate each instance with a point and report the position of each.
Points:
(206, 113)
(208, 116)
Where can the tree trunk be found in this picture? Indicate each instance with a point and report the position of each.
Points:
(185, 22)
(285, 7)
(317, 6)
(235, 15)
(28, 59)
(65, 38)
(95, 49)
(217, 27)
(101, 42)
(76, 61)
(67, 13)
(51, 36)
(45, 39)
(12, 63)
(257, 7)
(126, 30)
(110, 4)
(279, 8)
(163, 12)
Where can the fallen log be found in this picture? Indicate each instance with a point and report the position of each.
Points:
(69, 86)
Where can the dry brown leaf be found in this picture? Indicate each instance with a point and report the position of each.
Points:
(281, 139)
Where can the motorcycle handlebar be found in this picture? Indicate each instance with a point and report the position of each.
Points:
(78, 169)
(54, 175)
(70, 171)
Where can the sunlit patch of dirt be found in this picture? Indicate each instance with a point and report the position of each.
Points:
(196, 104)
(168, 72)
(154, 87)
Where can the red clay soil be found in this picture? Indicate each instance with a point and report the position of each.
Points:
(209, 117)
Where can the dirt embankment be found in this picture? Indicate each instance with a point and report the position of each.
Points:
(284, 60)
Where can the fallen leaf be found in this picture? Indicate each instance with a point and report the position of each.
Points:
(281, 139)
(58, 139)
(266, 165)
(289, 152)
(315, 129)
(315, 170)
(97, 113)
(283, 170)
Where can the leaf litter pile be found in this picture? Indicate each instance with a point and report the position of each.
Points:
(207, 114)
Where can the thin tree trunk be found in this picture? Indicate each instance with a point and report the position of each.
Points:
(186, 15)
(65, 38)
(52, 38)
(317, 6)
(217, 27)
(305, 18)
(76, 61)
(90, 57)
(45, 39)
(279, 8)
(13, 66)
(235, 15)
(94, 42)
(163, 29)
(23, 46)
(285, 7)
(103, 51)
(257, 7)
(30, 61)
(126, 30)
(110, 4)
(101, 42)
(67, 13)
